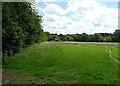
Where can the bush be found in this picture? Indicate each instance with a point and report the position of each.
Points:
(21, 27)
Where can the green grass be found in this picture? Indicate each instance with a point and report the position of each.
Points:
(73, 63)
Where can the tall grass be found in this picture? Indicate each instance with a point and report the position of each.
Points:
(74, 63)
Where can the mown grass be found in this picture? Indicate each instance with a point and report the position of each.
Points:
(72, 63)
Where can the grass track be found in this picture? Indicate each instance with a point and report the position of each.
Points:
(73, 63)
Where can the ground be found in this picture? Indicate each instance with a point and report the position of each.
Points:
(64, 63)
(9, 77)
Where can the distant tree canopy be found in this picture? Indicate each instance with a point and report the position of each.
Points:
(96, 37)
(21, 26)
(116, 36)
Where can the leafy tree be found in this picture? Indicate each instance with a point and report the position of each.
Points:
(47, 33)
(116, 36)
(53, 38)
(90, 38)
(75, 37)
(21, 26)
(97, 37)
(84, 37)
(106, 39)
(69, 38)
(63, 37)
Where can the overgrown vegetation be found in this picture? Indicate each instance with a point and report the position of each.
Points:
(96, 37)
(71, 63)
(21, 27)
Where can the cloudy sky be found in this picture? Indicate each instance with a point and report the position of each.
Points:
(78, 16)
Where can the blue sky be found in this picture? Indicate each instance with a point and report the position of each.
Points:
(78, 16)
(64, 5)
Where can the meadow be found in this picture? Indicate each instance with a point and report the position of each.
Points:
(68, 63)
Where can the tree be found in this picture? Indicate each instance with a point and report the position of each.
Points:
(84, 37)
(90, 38)
(69, 38)
(116, 36)
(53, 38)
(63, 37)
(47, 33)
(97, 37)
(21, 26)
(106, 39)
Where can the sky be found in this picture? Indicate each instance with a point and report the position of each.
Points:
(78, 16)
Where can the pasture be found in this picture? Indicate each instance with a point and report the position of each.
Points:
(68, 63)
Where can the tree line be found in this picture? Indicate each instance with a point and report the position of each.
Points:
(96, 37)
(21, 27)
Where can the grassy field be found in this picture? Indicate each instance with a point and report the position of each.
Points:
(69, 63)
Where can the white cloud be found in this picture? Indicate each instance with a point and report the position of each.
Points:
(69, 0)
(53, 9)
(51, 0)
(85, 16)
